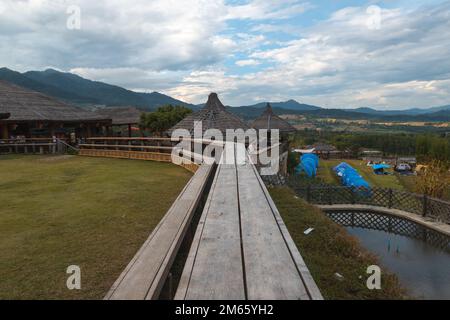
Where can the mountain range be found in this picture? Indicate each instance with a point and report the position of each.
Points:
(80, 91)
(75, 89)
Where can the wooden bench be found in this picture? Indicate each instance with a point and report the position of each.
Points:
(241, 248)
(146, 274)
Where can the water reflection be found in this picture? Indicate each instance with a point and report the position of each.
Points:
(421, 268)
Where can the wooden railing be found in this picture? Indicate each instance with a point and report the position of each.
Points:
(32, 145)
(432, 208)
(153, 149)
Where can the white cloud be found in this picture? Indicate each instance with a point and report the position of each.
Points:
(248, 62)
(268, 9)
(184, 48)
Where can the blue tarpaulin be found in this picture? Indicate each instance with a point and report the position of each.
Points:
(350, 177)
(308, 164)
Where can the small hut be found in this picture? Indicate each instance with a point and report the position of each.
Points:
(213, 115)
(33, 114)
(121, 116)
(269, 120)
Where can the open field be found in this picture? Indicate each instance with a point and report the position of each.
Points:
(90, 212)
(329, 249)
(327, 174)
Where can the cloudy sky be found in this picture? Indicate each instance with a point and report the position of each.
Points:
(336, 53)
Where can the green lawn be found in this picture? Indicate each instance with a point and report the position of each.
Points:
(90, 212)
(329, 249)
(327, 174)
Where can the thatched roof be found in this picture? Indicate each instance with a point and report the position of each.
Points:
(26, 105)
(322, 147)
(213, 116)
(269, 120)
(121, 115)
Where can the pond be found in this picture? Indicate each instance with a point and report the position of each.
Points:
(423, 269)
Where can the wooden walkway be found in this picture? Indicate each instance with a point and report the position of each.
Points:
(239, 250)
(242, 249)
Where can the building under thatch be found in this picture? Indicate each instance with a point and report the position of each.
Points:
(268, 120)
(121, 116)
(213, 115)
(33, 114)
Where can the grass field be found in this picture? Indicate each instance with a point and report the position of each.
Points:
(327, 174)
(90, 212)
(329, 249)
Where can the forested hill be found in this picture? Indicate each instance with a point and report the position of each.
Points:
(75, 89)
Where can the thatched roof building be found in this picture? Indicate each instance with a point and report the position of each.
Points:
(32, 113)
(213, 115)
(121, 115)
(268, 120)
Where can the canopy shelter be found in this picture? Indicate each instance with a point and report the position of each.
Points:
(33, 114)
(379, 168)
(213, 115)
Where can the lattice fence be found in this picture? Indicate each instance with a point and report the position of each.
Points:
(391, 224)
(435, 209)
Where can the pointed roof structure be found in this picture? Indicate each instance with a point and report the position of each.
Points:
(213, 115)
(269, 120)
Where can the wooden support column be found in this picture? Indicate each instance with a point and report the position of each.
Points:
(88, 131)
(4, 131)
(129, 130)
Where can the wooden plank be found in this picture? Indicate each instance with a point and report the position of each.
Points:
(309, 283)
(145, 275)
(216, 271)
(270, 270)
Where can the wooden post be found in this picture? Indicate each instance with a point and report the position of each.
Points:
(129, 130)
(425, 205)
(5, 132)
(390, 204)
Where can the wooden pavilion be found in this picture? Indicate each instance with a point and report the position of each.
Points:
(35, 115)
(121, 117)
(213, 115)
(269, 120)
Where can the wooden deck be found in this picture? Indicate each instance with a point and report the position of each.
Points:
(242, 249)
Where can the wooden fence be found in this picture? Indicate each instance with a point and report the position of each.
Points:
(153, 149)
(33, 146)
(435, 209)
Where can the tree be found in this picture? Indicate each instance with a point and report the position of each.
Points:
(163, 118)
(434, 181)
